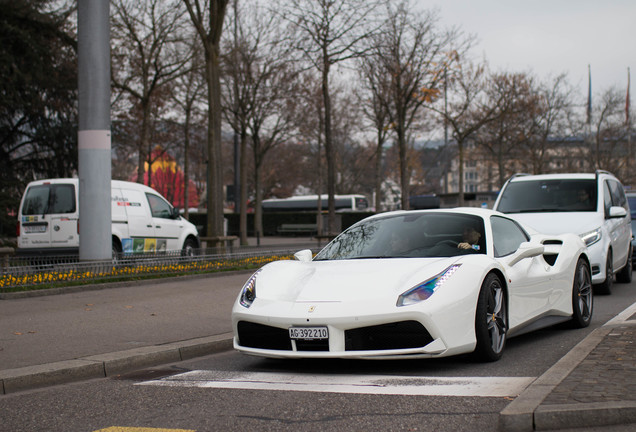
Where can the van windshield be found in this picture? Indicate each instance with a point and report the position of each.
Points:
(549, 196)
(47, 199)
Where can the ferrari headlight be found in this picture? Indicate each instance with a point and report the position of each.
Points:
(248, 293)
(426, 289)
(589, 238)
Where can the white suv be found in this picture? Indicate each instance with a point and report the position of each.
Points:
(590, 205)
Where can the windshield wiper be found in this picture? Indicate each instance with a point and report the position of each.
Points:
(545, 210)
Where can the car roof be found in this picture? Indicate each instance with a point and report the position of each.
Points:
(572, 176)
(476, 211)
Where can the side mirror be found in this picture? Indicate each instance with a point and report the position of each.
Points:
(526, 250)
(617, 212)
(175, 213)
(304, 255)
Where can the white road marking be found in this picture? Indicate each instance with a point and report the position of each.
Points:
(362, 384)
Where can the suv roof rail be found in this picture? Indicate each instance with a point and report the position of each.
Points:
(518, 175)
(599, 172)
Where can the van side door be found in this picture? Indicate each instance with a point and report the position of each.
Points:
(140, 226)
(168, 228)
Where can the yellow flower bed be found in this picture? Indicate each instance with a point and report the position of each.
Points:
(119, 272)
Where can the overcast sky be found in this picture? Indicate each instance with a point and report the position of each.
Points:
(549, 37)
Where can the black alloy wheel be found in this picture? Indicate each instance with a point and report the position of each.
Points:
(582, 296)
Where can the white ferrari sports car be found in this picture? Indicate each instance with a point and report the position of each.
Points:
(409, 284)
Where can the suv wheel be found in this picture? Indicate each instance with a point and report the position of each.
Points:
(606, 286)
(625, 274)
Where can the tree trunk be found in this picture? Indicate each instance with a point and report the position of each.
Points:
(378, 175)
(215, 177)
(329, 152)
(243, 191)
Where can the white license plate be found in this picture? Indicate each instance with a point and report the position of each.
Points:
(35, 228)
(308, 333)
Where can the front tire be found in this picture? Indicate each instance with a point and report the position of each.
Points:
(606, 286)
(116, 251)
(189, 248)
(491, 320)
(582, 296)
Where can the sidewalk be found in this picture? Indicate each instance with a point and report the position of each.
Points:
(594, 385)
(103, 332)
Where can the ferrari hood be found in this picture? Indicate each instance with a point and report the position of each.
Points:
(341, 281)
(560, 223)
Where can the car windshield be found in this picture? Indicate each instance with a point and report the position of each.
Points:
(411, 235)
(530, 196)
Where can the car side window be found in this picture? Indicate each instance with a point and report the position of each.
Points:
(159, 207)
(507, 235)
(607, 198)
(618, 195)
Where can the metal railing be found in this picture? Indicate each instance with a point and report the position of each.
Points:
(42, 272)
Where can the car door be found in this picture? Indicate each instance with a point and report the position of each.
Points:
(167, 228)
(619, 227)
(528, 284)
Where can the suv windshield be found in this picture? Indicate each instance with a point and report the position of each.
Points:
(549, 196)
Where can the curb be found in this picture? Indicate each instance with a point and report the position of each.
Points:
(525, 413)
(110, 364)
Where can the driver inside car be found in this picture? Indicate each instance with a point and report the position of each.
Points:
(470, 239)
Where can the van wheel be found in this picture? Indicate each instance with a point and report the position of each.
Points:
(189, 248)
(116, 251)
(625, 274)
(605, 288)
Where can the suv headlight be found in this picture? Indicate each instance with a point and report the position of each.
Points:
(426, 289)
(591, 237)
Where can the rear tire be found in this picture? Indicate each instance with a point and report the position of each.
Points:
(582, 296)
(491, 320)
(625, 274)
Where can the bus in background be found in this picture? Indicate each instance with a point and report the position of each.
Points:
(305, 203)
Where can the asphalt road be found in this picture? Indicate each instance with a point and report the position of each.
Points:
(129, 402)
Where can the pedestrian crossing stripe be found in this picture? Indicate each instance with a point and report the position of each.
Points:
(141, 429)
(348, 383)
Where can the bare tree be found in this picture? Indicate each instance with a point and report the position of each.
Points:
(188, 94)
(513, 126)
(330, 33)
(609, 132)
(411, 53)
(148, 53)
(259, 80)
(552, 105)
(376, 85)
(468, 109)
(207, 19)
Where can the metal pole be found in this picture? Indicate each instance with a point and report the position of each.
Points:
(94, 141)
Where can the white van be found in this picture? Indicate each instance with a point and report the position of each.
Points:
(142, 220)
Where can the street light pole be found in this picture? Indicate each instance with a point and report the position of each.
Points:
(94, 140)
